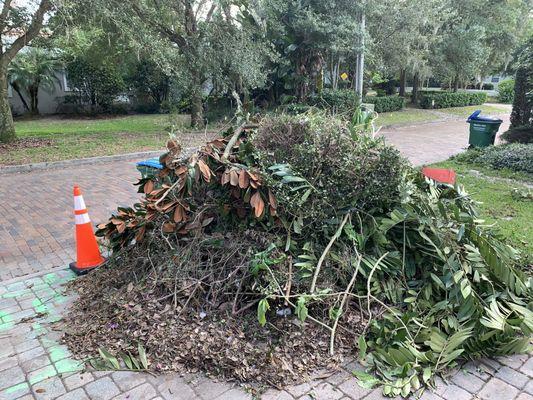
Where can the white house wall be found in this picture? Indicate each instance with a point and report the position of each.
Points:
(48, 100)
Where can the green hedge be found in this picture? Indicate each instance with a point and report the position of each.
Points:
(338, 100)
(451, 99)
(506, 91)
(386, 103)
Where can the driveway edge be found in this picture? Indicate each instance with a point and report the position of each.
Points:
(10, 169)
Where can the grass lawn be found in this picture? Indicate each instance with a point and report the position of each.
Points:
(67, 138)
(465, 112)
(406, 116)
(497, 203)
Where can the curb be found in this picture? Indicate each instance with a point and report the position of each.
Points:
(33, 275)
(11, 169)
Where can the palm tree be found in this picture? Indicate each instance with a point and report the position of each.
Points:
(32, 70)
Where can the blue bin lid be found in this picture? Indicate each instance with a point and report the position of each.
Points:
(483, 118)
(152, 162)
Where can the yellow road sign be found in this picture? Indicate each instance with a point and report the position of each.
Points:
(344, 76)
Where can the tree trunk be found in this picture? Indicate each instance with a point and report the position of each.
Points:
(7, 127)
(34, 96)
(456, 83)
(197, 109)
(402, 82)
(414, 94)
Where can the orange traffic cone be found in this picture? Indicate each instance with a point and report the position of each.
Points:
(88, 253)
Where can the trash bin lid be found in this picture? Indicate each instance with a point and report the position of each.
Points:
(151, 162)
(483, 118)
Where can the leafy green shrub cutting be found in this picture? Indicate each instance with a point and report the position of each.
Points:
(429, 99)
(516, 157)
(275, 248)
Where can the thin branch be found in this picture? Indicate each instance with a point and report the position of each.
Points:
(326, 251)
(31, 33)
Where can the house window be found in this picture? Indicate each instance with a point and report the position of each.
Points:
(495, 79)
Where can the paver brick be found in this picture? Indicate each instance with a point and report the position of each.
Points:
(77, 394)
(468, 381)
(174, 387)
(299, 390)
(529, 387)
(233, 394)
(143, 392)
(75, 381)
(524, 396)
(327, 392)
(50, 388)
(12, 376)
(273, 394)
(513, 377)
(453, 392)
(527, 368)
(15, 391)
(515, 361)
(352, 389)
(496, 389)
(126, 380)
(208, 389)
(102, 389)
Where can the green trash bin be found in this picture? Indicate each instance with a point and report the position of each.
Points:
(483, 129)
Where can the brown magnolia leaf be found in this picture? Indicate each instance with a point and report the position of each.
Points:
(244, 181)
(117, 221)
(140, 234)
(169, 227)
(165, 207)
(101, 226)
(257, 204)
(233, 178)
(121, 227)
(272, 200)
(173, 144)
(148, 187)
(253, 176)
(40, 390)
(179, 214)
(206, 172)
(182, 169)
(225, 178)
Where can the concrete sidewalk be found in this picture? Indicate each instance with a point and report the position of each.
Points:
(35, 365)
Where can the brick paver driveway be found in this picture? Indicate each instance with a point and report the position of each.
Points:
(434, 141)
(37, 231)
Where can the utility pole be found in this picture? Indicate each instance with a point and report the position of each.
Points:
(360, 61)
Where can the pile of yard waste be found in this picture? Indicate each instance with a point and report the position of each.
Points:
(285, 245)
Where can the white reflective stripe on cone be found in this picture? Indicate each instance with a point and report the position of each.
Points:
(79, 204)
(82, 219)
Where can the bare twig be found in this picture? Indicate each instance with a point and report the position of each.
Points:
(326, 250)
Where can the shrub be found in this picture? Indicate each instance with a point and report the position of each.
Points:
(506, 91)
(487, 86)
(336, 100)
(516, 157)
(451, 99)
(386, 103)
(521, 134)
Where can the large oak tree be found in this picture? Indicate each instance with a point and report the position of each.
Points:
(20, 23)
